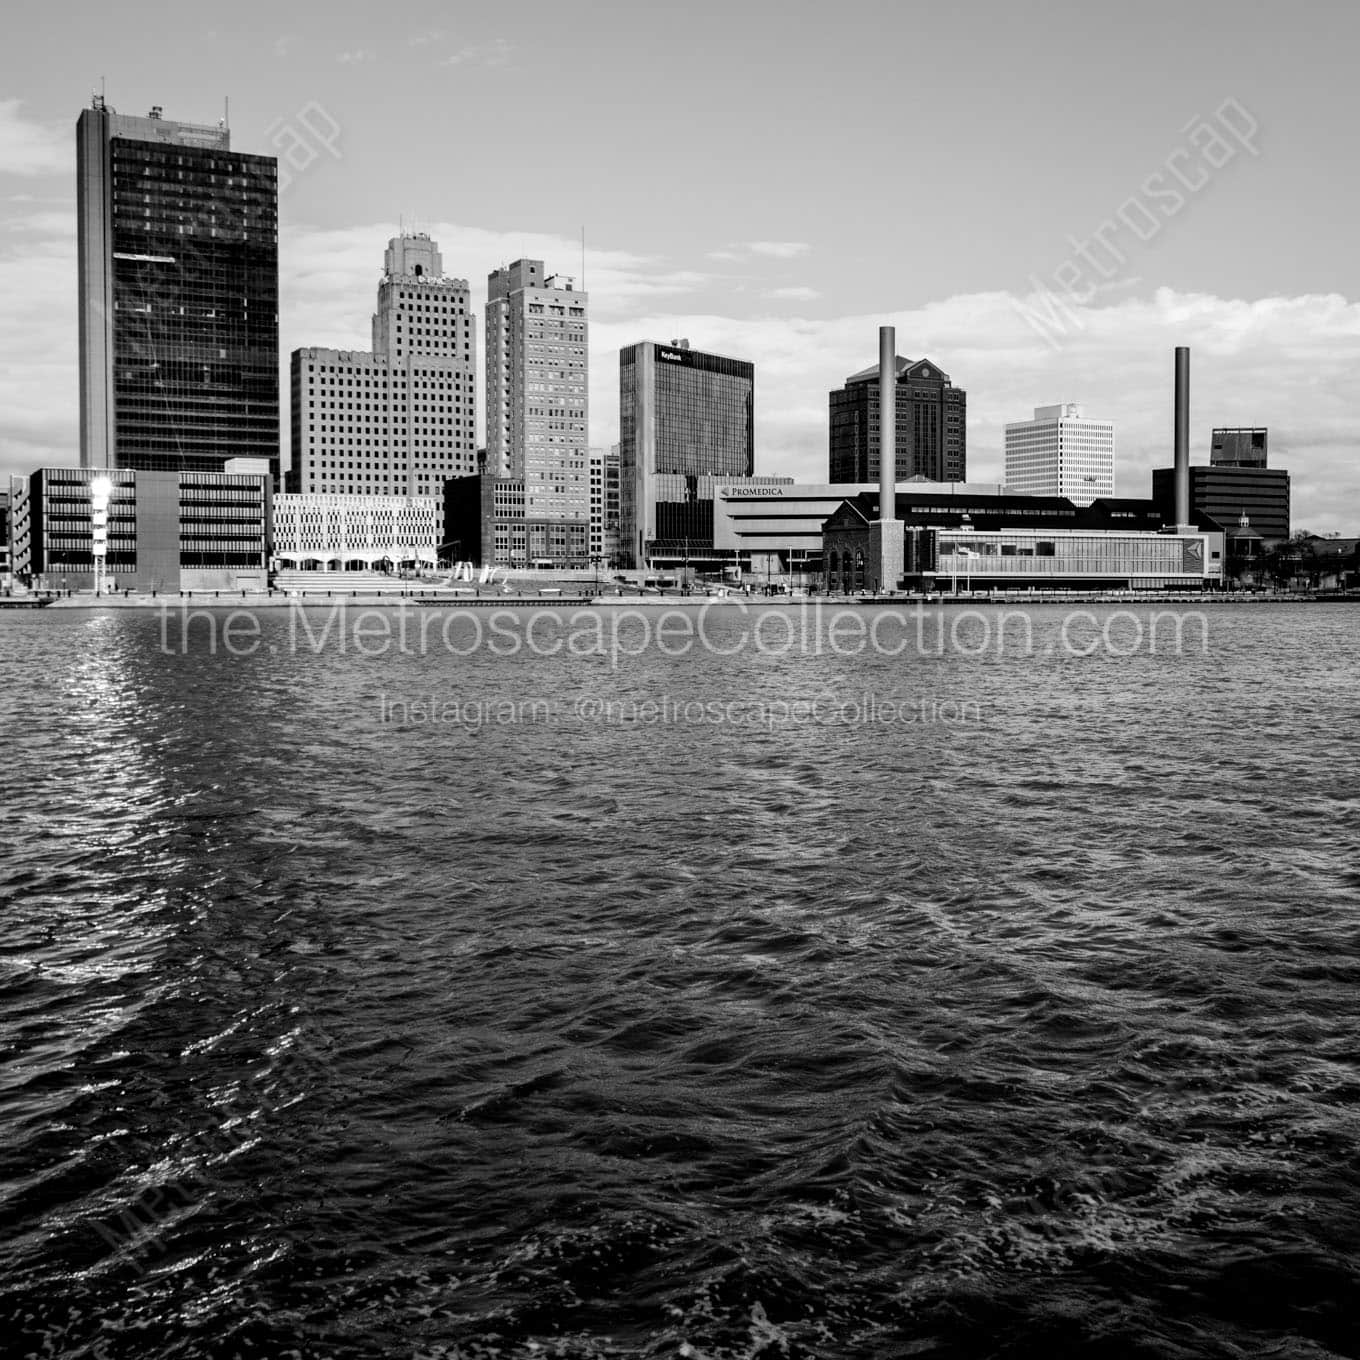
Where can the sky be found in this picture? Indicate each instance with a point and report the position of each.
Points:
(1043, 198)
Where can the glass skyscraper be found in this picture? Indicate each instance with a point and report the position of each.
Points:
(686, 420)
(178, 277)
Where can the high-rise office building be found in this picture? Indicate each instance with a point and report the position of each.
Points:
(604, 505)
(686, 418)
(1239, 447)
(177, 263)
(932, 425)
(537, 377)
(1061, 453)
(399, 420)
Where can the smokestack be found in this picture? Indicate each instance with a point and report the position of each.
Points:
(887, 422)
(1182, 435)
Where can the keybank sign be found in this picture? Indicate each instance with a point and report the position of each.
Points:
(675, 356)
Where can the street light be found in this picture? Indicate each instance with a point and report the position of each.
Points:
(101, 490)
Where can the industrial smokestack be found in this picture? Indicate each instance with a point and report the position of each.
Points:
(887, 422)
(1182, 435)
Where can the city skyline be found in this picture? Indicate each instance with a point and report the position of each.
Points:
(742, 265)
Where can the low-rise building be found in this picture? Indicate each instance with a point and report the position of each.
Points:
(321, 532)
(1024, 542)
(167, 531)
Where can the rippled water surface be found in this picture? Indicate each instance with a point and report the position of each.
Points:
(1031, 1033)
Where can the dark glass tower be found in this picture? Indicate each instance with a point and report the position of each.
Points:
(686, 420)
(179, 282)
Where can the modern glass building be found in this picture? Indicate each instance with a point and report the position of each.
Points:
(178, 279)
(932, 425)
(1010, 542)
(1239, 447)
(685, 418)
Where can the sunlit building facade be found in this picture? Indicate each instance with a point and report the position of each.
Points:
(1061, 453)
(315, 531)
(167, 531)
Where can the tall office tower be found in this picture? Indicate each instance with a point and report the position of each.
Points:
(1238, 447)
(604, 505)
(536, 405)
(1061, 453)
(398, 421)
(932, 425)
(178, 270)
(686, 422)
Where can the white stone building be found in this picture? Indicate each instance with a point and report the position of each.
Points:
(325, 532)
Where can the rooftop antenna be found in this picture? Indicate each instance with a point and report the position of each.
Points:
(583, 258)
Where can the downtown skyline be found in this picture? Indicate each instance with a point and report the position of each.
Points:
(716, 240)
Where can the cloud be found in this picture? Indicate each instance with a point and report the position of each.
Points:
(794, 294)
(1284, 362)
(432, 35)
(28, 148)
(283, 45)
(779, 250)
(355, 58)
(494, 53)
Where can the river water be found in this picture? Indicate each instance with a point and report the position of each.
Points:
(788, 1002)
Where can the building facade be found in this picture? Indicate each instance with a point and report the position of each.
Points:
(537, 405)
(315, 531)
(1011, 542)
(932, 425)
(167, 531)
(1227, 492)
(1061, 453)
(604, 506)
(177, 265)
(400, 420)
(686, 423)
(1239, 447)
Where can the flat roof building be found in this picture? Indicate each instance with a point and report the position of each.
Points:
(686, 417)
(537, 400)
(1239, 447)
(178, 276)
(315, 531)
(1226, 492)
(1011, 542)
(167, 531)
(1061, 453)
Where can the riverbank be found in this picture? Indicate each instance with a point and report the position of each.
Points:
(491, 599)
